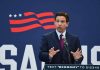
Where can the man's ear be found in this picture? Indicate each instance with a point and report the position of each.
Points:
(68, 23)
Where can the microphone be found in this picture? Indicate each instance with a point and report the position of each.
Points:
(67, 48)
(65, 43)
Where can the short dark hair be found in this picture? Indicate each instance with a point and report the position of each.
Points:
(62, 14)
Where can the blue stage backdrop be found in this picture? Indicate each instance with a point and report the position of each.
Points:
(23, 22)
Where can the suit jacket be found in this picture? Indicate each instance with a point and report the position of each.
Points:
(63, 57)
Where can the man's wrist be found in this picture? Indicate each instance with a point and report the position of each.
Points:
(50, 58)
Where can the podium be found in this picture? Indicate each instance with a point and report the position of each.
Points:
(70, 67)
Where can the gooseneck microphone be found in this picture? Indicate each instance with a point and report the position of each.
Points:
(67, 49)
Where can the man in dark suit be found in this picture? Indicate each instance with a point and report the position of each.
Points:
(59, 47)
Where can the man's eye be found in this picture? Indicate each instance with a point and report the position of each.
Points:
(57, 21)
(62, 21)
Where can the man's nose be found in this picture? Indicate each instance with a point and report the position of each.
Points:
(59, 23)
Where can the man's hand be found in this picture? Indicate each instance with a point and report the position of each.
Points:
(77, 55)
(52, 52)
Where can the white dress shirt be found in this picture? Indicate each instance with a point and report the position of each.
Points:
(58, 33)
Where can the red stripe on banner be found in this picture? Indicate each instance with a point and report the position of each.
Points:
(28, 13)
(49, 27)
(22, 21)
(45, 14)
(25, 28)
(43, 21)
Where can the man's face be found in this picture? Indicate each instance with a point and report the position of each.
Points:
(61, 23)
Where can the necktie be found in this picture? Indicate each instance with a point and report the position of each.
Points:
(61, 42)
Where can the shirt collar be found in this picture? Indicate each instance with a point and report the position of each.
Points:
(58, 33)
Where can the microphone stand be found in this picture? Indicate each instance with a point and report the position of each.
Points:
(67, 49)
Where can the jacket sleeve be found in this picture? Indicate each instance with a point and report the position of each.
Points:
(44, 50)
(78, 46)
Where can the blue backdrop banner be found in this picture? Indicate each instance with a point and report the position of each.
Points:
(23, 22)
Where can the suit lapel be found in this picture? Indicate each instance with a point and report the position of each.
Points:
(56, 40)
(68, 40)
